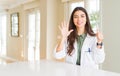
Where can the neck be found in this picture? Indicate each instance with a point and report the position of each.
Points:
(80, 31)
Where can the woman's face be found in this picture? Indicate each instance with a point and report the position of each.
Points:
(79, 19)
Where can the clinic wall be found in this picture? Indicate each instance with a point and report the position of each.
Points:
(54, 17)
(51, 26)
(43, 23)
(51, 12)
(111, 30)
(16, 45)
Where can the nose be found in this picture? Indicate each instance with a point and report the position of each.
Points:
(79, 18)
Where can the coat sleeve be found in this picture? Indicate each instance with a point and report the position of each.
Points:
(61, 54)
(99, 54)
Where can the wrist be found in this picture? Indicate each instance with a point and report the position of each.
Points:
(99, 44)
(99, 41)
(63, 39)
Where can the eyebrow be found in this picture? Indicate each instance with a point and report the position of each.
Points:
(81, 14)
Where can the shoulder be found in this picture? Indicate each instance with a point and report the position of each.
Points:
(91, 38)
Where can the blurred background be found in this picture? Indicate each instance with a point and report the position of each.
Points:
(29, 28)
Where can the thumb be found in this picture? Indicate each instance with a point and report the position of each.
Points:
(70, 32)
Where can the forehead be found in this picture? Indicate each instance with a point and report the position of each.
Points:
(79, 12)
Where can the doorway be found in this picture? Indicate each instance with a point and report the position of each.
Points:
(3, 23)
(34, 36)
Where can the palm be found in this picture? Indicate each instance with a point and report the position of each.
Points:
(64, 29)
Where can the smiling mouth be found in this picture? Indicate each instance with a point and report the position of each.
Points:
(79, 23)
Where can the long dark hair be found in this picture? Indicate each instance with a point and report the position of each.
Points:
(73, 34)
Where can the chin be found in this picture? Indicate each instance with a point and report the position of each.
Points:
(80, 26)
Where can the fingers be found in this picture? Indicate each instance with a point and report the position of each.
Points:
(99, 33)
(99, 36)
(64, 25)
(70, 31)
(64, 29)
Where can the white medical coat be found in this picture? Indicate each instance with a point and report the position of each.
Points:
(89, 59)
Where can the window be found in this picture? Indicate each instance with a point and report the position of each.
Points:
(76, 4)
(94, 11)
(14, 24)
(3, 21)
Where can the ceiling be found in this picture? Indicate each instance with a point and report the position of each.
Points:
(6, 4)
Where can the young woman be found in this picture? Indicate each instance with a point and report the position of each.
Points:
(79, 44)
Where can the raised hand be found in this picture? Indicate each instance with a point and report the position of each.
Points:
(64, 29)
(99, 36)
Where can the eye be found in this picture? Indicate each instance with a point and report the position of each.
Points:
(83, 16)
(75, 16)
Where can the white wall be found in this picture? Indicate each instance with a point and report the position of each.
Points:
(50, 11)
(111, 31)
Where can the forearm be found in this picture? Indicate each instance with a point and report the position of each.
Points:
(60, 45)
(99, 55)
